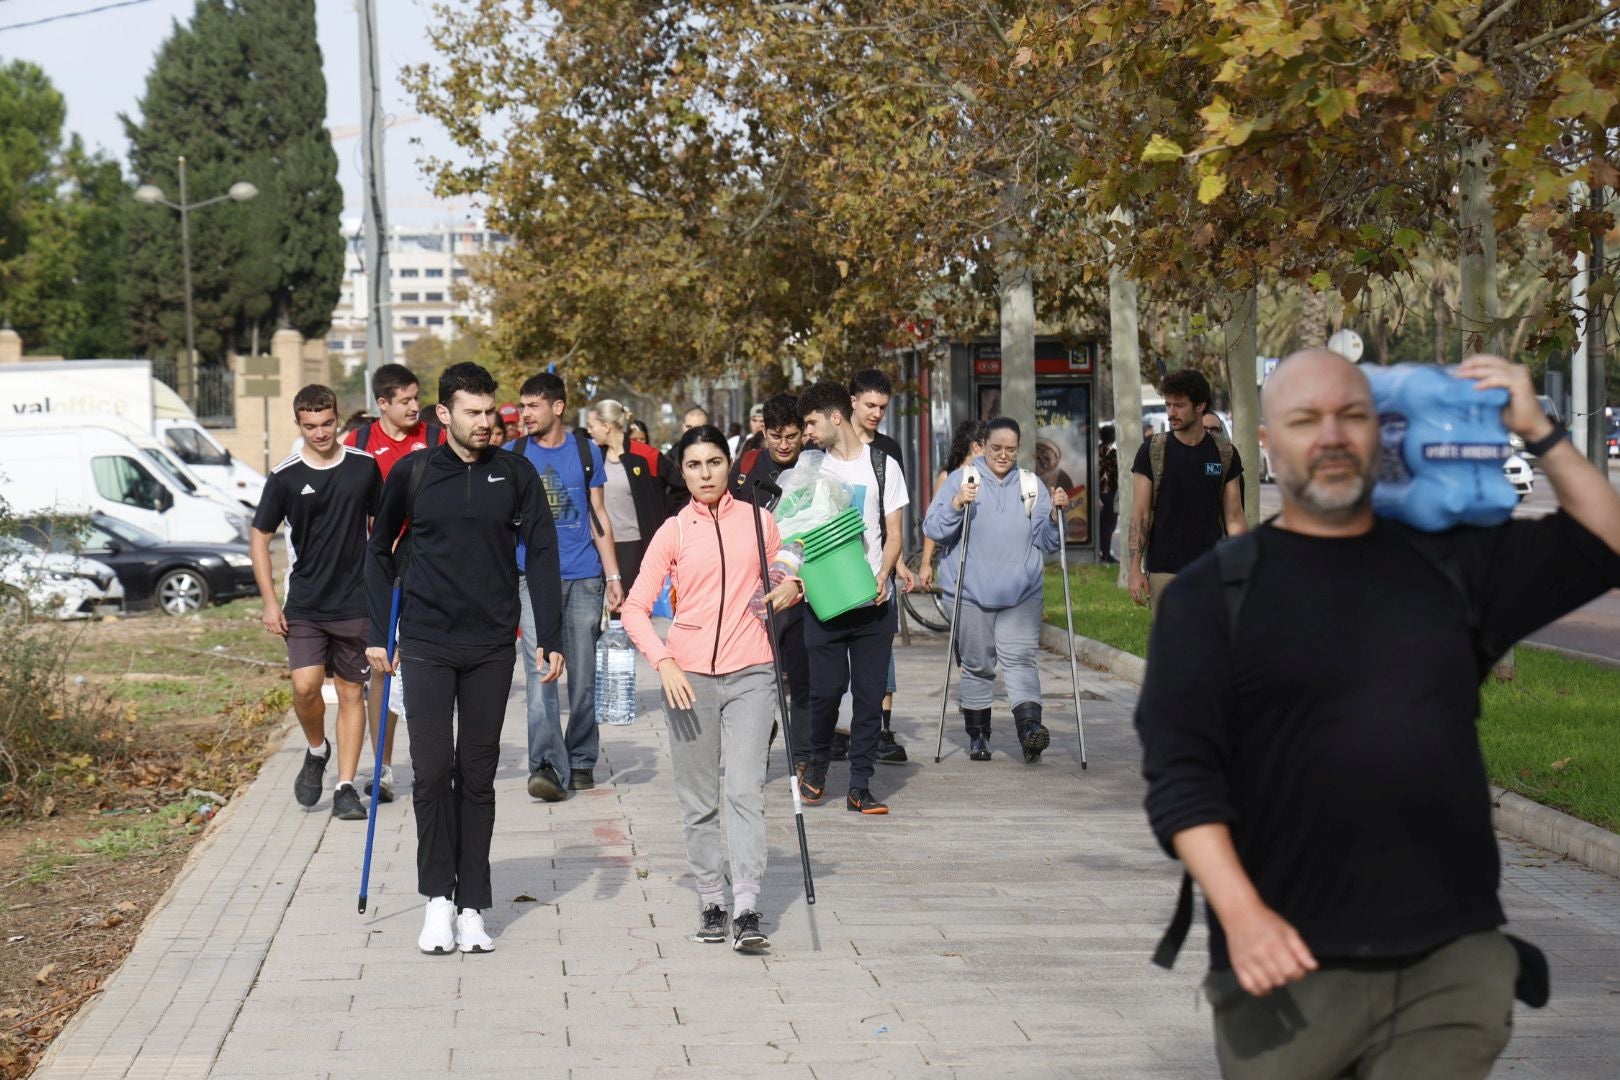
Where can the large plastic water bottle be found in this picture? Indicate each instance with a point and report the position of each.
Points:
(1444, 445)
(615, 676)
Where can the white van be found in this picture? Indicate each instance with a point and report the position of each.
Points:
(174, 423)
(79, 469)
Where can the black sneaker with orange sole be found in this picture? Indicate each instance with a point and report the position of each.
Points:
(861, 801)
(812, 781)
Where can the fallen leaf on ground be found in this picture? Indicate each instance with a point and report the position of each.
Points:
(1561, 764)
(129, 905)
(44, 973)
(111, 921)
(523, 898)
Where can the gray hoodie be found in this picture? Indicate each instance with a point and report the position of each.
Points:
(1007, 546)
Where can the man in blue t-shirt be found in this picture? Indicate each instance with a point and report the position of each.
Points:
(570, 469)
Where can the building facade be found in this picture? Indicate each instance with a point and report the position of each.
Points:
(431, 291)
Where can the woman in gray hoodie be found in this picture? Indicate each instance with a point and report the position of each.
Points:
(1015, 526)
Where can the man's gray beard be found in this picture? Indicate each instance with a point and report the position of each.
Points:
(1343, 504)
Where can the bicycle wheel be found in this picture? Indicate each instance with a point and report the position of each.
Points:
(927, 607)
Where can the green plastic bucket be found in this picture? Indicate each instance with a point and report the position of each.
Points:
(836, 575)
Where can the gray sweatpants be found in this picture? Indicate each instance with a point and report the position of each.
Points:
(1009, 636)
(733, 711)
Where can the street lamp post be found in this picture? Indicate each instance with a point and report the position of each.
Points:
(152, 195)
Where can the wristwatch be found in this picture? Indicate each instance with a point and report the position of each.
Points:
(1547, 441)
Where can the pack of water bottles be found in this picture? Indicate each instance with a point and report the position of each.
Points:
(1444, 444)
(615, 676)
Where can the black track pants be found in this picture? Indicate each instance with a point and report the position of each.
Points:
(453, 789)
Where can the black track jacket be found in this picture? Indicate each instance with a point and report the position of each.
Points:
(460, 581)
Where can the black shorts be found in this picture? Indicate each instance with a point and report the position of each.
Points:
(336, 645)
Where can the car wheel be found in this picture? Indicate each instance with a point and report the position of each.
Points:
(14, 607)
(182, 592)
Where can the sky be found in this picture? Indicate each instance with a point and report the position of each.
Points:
(100, 62)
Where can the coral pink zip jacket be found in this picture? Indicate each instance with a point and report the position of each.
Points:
(713, 559)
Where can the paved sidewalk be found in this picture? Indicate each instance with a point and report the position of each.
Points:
(998, 923)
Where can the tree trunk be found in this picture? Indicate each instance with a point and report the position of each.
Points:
(1313, 317)
(1016, 286)
(1481, 306)
(1241, 371)
(1437, 306)
(1125, 363)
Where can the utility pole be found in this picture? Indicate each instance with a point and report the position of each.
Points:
(1580, 398)
(379, 286)
(1596, 325)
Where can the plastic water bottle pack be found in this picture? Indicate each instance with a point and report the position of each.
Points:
(1444, 445)
(615, 676)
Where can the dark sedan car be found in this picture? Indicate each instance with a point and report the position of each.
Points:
(179, 578)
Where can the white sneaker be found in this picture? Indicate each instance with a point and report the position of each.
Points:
(438, 926)
(470, 933)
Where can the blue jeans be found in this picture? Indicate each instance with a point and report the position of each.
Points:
(581, 626)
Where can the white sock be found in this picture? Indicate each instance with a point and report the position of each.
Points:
(714, 899)
(341, 784)
(744, 901)
(321, 751)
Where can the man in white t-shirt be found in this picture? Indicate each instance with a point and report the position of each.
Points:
(852, 650)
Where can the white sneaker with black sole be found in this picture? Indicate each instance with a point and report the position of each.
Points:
(470, 933)
(438, 927)
(386, 792)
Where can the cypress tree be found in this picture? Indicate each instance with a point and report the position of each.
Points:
(240, 93)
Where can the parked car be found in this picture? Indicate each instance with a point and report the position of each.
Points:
(178, 578)
(1614, 439)
(36, 582)
(1520, 475)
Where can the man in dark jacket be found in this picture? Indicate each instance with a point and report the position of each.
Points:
(784, 439)
(467, 503)
(1308, 730)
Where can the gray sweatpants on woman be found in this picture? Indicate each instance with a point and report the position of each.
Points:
(734, 711)
(1008, 635)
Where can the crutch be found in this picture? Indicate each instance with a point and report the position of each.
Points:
(767, 488)
(381, 741)
(970, 475)
(1068, 612)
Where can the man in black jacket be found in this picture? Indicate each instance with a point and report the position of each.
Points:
(783, 440)
(1310, 750)
(467, 503)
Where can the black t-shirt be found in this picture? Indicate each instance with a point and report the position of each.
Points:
(1335, 734)
(329, 511)
(1189, 515)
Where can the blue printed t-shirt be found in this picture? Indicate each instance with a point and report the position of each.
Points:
(564, 483)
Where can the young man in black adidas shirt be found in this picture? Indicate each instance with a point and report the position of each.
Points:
(327, 492)
(1310, 749)
(1190, 500)
(468, 503)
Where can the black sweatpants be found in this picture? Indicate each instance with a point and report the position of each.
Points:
(796, 668)
(853, 652)
(453, 787)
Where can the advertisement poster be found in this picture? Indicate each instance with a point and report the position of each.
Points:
(1062, 444)
(1062, 449)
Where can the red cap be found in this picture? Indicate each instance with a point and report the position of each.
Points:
(510, 414)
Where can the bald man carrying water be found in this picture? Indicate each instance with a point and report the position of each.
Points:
(1308, 738)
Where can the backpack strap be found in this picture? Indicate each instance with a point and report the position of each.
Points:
(879, 469)
(434, 434)
(1442, 557)
(1028, 492)
(362, 436)
(1236, 557)
(419, 473)
(1156, 464)
(587, 468)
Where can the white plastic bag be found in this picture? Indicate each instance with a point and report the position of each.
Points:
(809, 498)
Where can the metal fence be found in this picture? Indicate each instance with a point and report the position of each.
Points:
(216, 396)
(213, 398)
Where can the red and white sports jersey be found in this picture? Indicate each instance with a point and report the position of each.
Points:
(388, 450)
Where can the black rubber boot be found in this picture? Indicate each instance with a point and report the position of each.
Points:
(977, 722)
(1032, 734)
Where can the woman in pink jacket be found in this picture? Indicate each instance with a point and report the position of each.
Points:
(716, 670)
